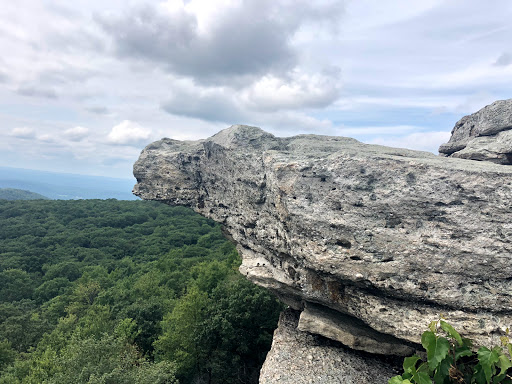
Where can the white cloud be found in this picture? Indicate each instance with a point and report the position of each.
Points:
(23, 133)
(224, 105)
(294, 91)
(233, 41)
(76, 133)
(377, 130)
(207, 103)
(421, 141)
(46, 138)
(128, 133)
(187, 68)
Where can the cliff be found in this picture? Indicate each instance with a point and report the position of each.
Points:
(369, 243)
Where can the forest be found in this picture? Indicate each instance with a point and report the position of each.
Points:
(108, 291)
(19, 194)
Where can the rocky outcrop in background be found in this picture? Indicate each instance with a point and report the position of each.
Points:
(485, 135)
(369, 243)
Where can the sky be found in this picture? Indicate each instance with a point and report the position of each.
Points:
(86, 84)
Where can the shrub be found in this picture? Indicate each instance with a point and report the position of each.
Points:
(451, 359)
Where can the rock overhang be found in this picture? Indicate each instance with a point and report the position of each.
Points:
(390, 237)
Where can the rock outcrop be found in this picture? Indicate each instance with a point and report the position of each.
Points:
(485, 135)
(302, 358)
(370, 243)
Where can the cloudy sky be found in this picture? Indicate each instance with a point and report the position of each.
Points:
(86, 84)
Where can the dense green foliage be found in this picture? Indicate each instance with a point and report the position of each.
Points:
(19, 194)
(451, 359)
(96, 291)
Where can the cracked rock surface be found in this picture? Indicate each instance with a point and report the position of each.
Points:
(384, 238)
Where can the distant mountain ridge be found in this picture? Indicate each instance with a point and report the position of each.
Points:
(20, 194)
(66, 186)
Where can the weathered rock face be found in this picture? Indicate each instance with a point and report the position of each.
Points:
(485, 135)
(301, 358)
(371, 243)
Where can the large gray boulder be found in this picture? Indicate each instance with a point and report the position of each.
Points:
(485, 135)
(371, 243)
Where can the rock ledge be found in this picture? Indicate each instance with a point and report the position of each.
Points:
(384, 238)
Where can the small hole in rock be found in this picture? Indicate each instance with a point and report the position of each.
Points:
(344, 243)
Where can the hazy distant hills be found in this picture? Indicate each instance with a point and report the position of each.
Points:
(19, 194)
(66, 186)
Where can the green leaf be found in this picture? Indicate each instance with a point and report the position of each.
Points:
(479, 376)
(509, 346)
(462, 352)
(422, 378)
(417, 376)
(442, 375)
(423, 368)
(433, 326)
(437, 348)
(398, 380)
(452, 332)
(504, 364)
(488, 359)
(410, 364)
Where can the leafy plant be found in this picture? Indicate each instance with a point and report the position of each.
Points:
(451, 359)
